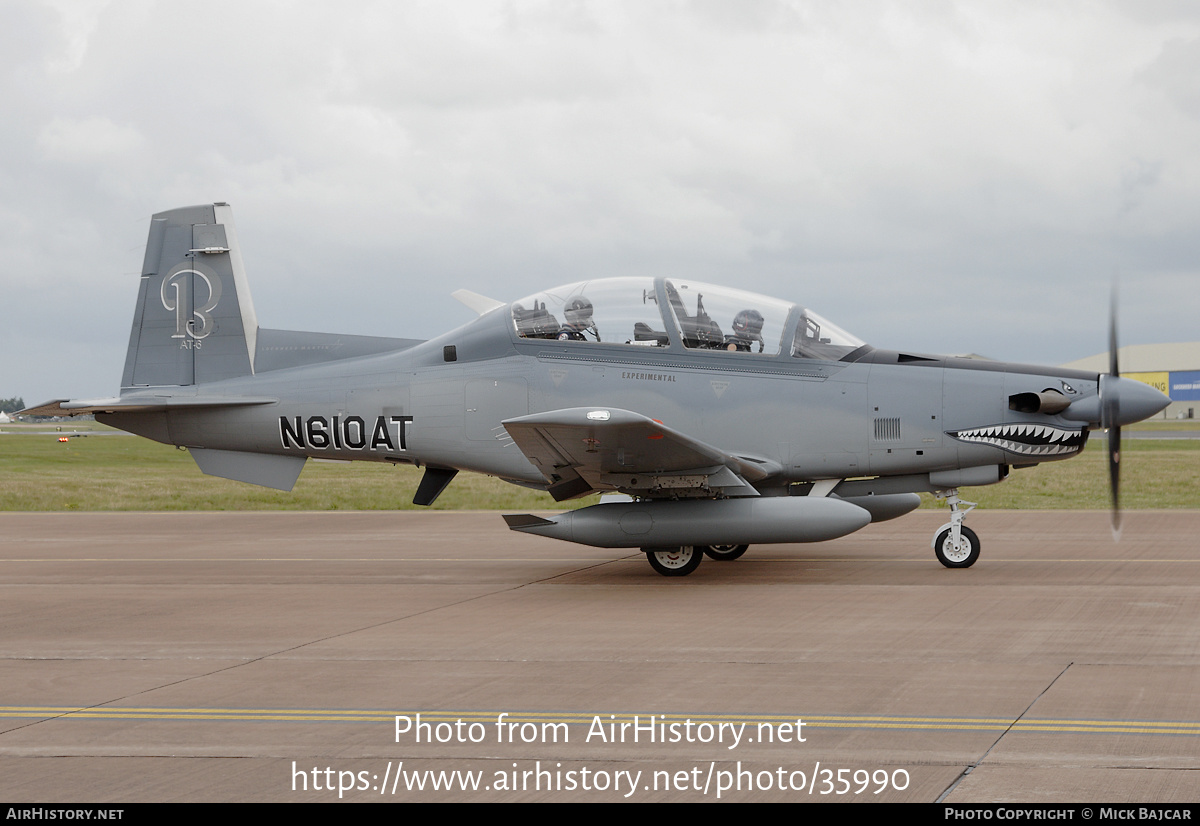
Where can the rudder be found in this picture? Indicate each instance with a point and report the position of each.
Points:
(194, 321)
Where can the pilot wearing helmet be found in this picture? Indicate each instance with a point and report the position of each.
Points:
(747, 329)
(578, 314)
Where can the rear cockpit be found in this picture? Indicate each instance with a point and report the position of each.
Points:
(608, 311)
(658, 313)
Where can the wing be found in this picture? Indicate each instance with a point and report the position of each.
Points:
(583, 449)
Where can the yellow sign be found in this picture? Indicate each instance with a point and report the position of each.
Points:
(1159, 381)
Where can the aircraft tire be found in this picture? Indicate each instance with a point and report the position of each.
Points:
(964, 557)
(679, 561)
(724, 553)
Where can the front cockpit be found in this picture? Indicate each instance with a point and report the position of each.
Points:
(687, 315)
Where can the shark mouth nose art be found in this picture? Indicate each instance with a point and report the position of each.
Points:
(1026, 439)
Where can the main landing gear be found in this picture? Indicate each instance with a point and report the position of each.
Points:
(955, 544)
(682, 560)
(679, 561)
(724, 553)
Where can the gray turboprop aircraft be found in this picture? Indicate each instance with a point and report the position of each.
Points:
(716, 418)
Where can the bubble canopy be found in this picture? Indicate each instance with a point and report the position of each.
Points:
(668, 312)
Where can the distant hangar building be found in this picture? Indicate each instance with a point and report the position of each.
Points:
(1172, 368)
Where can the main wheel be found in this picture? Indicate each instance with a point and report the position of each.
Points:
(964, 555)
(679, 561)
(724, 553)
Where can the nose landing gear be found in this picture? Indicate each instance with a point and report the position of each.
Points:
(956, 545)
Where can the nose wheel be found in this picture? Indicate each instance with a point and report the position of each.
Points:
(960, 554)
(956, 545)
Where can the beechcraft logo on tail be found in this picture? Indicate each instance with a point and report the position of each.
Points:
(178, 290)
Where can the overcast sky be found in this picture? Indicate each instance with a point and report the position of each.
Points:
(940, 177)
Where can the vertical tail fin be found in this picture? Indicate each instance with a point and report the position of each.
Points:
(194, 321)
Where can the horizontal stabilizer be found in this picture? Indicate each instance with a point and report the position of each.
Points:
(139, 404)
(265, 469)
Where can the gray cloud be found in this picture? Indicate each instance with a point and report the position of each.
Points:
(950, 177)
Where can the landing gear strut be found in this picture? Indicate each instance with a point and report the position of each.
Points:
(956, 545)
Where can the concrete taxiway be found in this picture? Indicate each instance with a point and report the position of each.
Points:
(265, 657)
